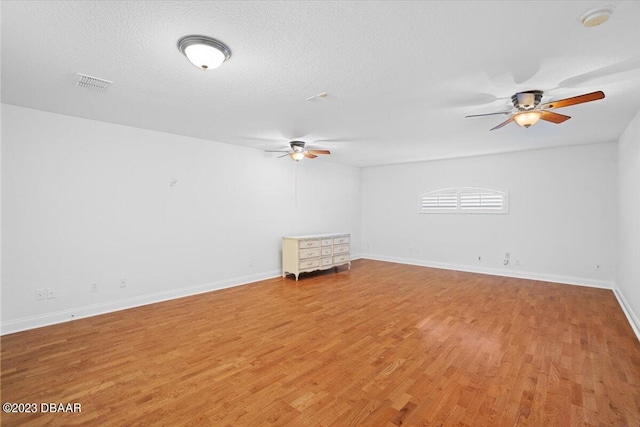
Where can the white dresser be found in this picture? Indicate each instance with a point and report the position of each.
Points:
(315, 252)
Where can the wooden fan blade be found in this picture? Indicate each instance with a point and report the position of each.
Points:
(319, 151)
(506, 122)
(488, 114)
(587, 97)
(309, 155)
(552, 117)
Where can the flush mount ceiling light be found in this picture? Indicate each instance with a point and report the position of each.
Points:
(204, 52)
(596, 16)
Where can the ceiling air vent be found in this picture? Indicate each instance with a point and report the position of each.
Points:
(93, 83)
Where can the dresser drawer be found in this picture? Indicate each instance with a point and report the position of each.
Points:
(340, 240)
(310, 253)
(327, 261)
(326, 251)
(342, 249)
(341, 258)
(309, 264)
(326, 242)
(305, 244)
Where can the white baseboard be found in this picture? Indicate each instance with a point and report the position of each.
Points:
(47, 319)
(32, 322)
(626, 308)
(568, 280)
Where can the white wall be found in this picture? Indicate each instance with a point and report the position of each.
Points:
(628, 271)
(86, 201)
(560, 226)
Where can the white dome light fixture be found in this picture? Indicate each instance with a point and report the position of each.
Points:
(528, 118)
(204, 52)
(297, 156)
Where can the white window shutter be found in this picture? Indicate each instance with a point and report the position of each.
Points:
(464, 200)
(445, 200)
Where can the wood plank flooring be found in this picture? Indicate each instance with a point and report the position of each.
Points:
(381, 345)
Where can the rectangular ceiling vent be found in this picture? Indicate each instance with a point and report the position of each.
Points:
(93, 83)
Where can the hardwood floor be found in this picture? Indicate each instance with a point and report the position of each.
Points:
(382, 345)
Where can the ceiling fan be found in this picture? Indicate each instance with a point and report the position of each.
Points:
(298, 151)
(528, 109)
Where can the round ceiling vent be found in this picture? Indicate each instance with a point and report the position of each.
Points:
(596, 16)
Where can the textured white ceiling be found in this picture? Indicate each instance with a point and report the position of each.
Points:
(401, 76)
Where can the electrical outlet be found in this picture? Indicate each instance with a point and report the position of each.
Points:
(250, 263)
(40, 294)
(507, 255)
(94, 287)
(51, 293)
(517, 261)
(123, 283)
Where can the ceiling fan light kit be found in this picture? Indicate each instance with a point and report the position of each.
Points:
(204, 52)
(298, 151)
(527, 118)
(528, 110)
